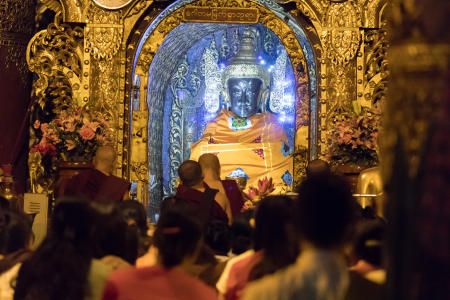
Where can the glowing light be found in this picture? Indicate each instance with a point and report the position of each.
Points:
(288, 100)
(209, 117)
(222, 66)
(262, 62)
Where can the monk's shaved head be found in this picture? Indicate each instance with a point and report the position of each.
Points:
(105, 158)
(190, 173)
(318, 167)
(211, 162)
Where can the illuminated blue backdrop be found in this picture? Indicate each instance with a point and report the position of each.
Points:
(193, 97)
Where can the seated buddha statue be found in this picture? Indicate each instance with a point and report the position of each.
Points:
(248, 140)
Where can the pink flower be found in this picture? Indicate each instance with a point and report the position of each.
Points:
(265, 186)
(69, 125)
(44, 148)
(252, 192)
(87, 133)
(52, 136)
(91, 125)
(36, 124)
(44, 127)
(70, 145)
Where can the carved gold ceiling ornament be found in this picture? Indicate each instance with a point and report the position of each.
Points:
(54, 5)
(16, 28)
(104, 33)
(55, 55)
(340, 32)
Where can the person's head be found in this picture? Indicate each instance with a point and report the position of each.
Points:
(134, 214)
(318, 167)
(190, 173)
(113, 236)
(15, 232)
(176, 237)
(105, 159)
(242, 232)
(72, 221)
(275, 235)
(369, 242)
(325, 211)
(4, 203)
(218, 237)
(210, 163)
(59, 267)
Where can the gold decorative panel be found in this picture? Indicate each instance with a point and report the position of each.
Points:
(101, 52)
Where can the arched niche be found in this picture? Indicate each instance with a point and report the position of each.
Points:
(155, 58)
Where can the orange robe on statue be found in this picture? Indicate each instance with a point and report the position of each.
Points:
(257, 145)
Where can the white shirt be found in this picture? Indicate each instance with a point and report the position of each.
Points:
(317, 275)
(7, 280)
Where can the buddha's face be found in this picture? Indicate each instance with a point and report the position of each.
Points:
(244, 95)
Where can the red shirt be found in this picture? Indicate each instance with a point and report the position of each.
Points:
(156, 283)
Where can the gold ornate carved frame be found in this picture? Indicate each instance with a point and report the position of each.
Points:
(138, 158)
(88, 55)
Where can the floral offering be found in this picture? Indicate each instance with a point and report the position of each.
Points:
(354, 140)
(264, 188)
(74, 134)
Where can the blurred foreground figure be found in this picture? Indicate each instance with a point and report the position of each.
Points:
(178, 240)
(15, 240)
(62, 267)
(276, 245)
(98, 184)
(325, 211)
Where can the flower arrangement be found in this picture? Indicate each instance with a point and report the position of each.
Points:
(74, 134)
(265, 187)
(354, 140)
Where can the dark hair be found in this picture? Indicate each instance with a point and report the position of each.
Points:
(59, 267)
(325, 209)
(176, 236)
(318, 167)
(168, 203)
(190, 173)
(113, 236)
(369, 243)
(4, 203)
(218, 237)
(275, 235)
(133, 212)
(15, 231)
(242, 232)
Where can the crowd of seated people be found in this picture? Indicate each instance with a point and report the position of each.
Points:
(319, 245)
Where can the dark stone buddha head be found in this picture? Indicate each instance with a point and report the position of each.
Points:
(244, 96)
(245, 82)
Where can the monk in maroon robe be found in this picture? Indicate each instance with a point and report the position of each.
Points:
(209, 204)
(211, 172)
(98, 184)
